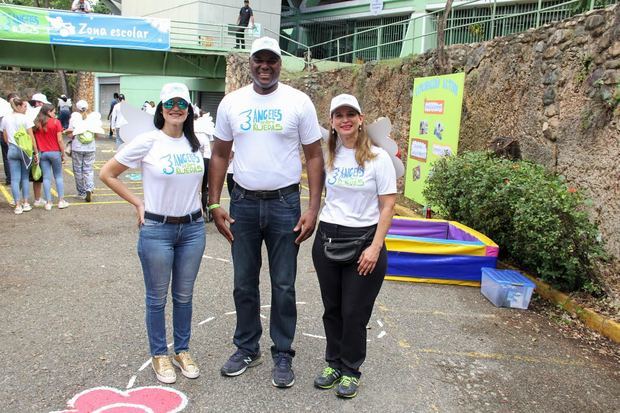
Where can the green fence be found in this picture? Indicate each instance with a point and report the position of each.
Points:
(377, 39)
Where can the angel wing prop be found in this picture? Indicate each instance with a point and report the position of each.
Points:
(379, 133)
(138, 122)
(92, 123)
(5, 108)
(204, 124)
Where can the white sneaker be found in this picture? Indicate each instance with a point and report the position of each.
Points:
(62, 204)
(48, 206)
(26, 207)
(18, 210)
(39, 202)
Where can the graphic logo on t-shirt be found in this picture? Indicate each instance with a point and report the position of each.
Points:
(182, 164)
(346, 176)
(258, 120)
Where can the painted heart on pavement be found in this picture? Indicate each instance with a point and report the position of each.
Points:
(151, 399)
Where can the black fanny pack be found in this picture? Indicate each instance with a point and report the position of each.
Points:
(345, 250)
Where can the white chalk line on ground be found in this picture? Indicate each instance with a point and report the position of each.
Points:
(132, 380)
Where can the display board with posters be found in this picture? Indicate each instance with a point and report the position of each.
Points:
(434, 129)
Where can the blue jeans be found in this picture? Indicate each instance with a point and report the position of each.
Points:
(170, 252)
(52, 162)
(19, 174)
(272, 221)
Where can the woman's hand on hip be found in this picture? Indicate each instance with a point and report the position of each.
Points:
(140, 213)
(368, 260)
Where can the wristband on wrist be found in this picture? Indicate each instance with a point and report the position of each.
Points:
(213, 206)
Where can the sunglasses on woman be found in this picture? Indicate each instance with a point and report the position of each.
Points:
(181, 103)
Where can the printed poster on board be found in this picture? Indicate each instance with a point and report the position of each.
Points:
(434, 129)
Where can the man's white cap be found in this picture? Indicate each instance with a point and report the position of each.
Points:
(344, 100)
(266, 43)
(40, 97)
(174, 90)
(81, 105)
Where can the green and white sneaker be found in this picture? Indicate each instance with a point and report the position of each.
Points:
(347, 388)
(328, 378)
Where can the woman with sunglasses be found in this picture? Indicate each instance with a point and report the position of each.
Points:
(172, 231)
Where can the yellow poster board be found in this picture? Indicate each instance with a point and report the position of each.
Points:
(434, 129)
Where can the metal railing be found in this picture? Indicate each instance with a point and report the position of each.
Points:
(468, 22)
(212, 36)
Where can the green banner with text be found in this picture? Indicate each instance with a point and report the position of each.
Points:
(434, 129)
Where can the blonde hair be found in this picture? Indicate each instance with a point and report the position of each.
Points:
(16, 103)
(363, 153)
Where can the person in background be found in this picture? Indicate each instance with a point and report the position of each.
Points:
(112, 104)
(5, 148)
(117, 119)
(172, 230)
(64, 110)
(38, 100)
(83, 150)
(268, 122)
(81, 6)
(19, 163)
(48, 133)
(359, 204)
(245, 18)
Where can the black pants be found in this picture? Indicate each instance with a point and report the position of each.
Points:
(5, 161)
(348, 299)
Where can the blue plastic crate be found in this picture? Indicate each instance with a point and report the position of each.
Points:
(506, 288)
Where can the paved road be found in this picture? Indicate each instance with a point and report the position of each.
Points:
(71, 294)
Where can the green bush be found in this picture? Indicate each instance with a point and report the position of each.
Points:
(539, 223)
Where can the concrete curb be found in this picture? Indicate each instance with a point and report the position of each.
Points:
(602, 325)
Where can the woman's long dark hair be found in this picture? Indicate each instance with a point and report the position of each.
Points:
(188, 125)
(40, 122)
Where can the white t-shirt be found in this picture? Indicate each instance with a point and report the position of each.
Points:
(171, 172)
(117, 119)
(12, 122)
(76, 145)
(267, 131)
(353, 191)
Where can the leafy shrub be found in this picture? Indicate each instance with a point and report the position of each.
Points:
(538, 221)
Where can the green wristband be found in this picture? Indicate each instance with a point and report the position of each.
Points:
(213, 206)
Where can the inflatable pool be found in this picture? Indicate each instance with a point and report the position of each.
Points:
(437, 251)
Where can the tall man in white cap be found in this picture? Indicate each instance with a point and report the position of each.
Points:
(267, 121)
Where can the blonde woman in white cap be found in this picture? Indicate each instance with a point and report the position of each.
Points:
(83, 150)
(170, 218)
(360, 187)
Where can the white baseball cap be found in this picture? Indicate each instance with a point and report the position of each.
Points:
(40, 97)
(174, 90)
(81, 105)
(344, 100)
(266, 43)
